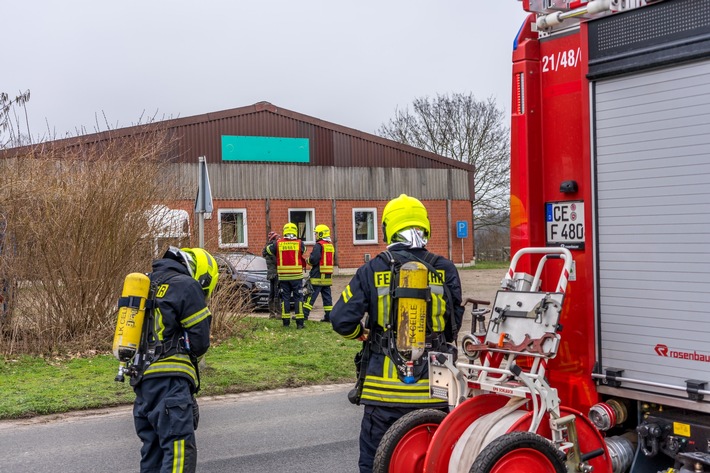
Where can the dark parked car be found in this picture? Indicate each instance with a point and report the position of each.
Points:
(248, 272)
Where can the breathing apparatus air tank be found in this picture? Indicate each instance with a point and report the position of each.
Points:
(131, 313)
(412, 314)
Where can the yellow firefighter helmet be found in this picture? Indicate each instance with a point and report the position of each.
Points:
(322, 231)
(404, 212)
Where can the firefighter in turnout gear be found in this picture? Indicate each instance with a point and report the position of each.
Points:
(385, 391)
(290, 266)
(165, 411)
(321, 274)
(272, 276)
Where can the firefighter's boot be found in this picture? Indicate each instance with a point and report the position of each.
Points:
(326, 317)
(286, 321)
(300, 323)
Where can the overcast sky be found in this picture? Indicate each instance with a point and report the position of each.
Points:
(351, 63)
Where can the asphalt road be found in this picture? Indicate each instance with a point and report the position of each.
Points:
(313, 429)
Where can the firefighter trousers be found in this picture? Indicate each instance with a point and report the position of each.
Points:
(375, 422)
(291, 298)
(163, 417)
(327, 301)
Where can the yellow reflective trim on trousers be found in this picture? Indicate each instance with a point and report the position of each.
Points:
(322, 281)
(196, 318)
(347, 294)
(178, 456)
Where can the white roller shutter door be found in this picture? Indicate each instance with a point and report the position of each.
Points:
(652, 184)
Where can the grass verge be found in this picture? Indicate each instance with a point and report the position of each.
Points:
(487, 265)
(263, 355)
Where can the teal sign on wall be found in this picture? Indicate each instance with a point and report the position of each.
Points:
(265, 148)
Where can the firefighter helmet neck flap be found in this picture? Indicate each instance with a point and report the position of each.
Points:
(405, 220)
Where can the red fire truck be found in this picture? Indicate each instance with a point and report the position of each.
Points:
(610, 179)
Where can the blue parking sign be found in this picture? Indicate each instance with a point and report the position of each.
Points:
(461, 229)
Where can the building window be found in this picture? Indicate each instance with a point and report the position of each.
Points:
(303, 218)
(233, 228)
(364, 227)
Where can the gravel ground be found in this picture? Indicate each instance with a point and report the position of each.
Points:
(481, 284)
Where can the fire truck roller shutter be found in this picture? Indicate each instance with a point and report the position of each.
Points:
(652, 186)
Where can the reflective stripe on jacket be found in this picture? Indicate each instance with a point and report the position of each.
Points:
(181, 313)
(289, 259)
(322, 261)
(385, 387)
(327, 257)
(177, 364)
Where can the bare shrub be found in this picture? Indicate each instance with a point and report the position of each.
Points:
(228, 308)
(76, 225)
(229, 305)
(74, 221)
(493, 243)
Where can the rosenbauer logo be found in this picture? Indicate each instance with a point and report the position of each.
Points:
(663, 350)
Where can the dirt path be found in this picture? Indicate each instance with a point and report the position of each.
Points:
(479, 284)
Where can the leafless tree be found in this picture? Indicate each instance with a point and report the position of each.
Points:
(10, 121)
(460, 127)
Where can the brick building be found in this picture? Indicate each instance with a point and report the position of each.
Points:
(268, 166)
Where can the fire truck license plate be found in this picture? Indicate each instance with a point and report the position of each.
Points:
(565, 224)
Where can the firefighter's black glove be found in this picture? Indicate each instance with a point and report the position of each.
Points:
(195, 412)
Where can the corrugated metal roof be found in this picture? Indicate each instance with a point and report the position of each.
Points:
(331, 145)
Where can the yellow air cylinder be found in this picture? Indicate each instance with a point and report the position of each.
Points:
(129, 325)
(411, 312)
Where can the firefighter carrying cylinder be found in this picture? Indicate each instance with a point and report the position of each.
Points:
(412, 303)
(131, 314)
